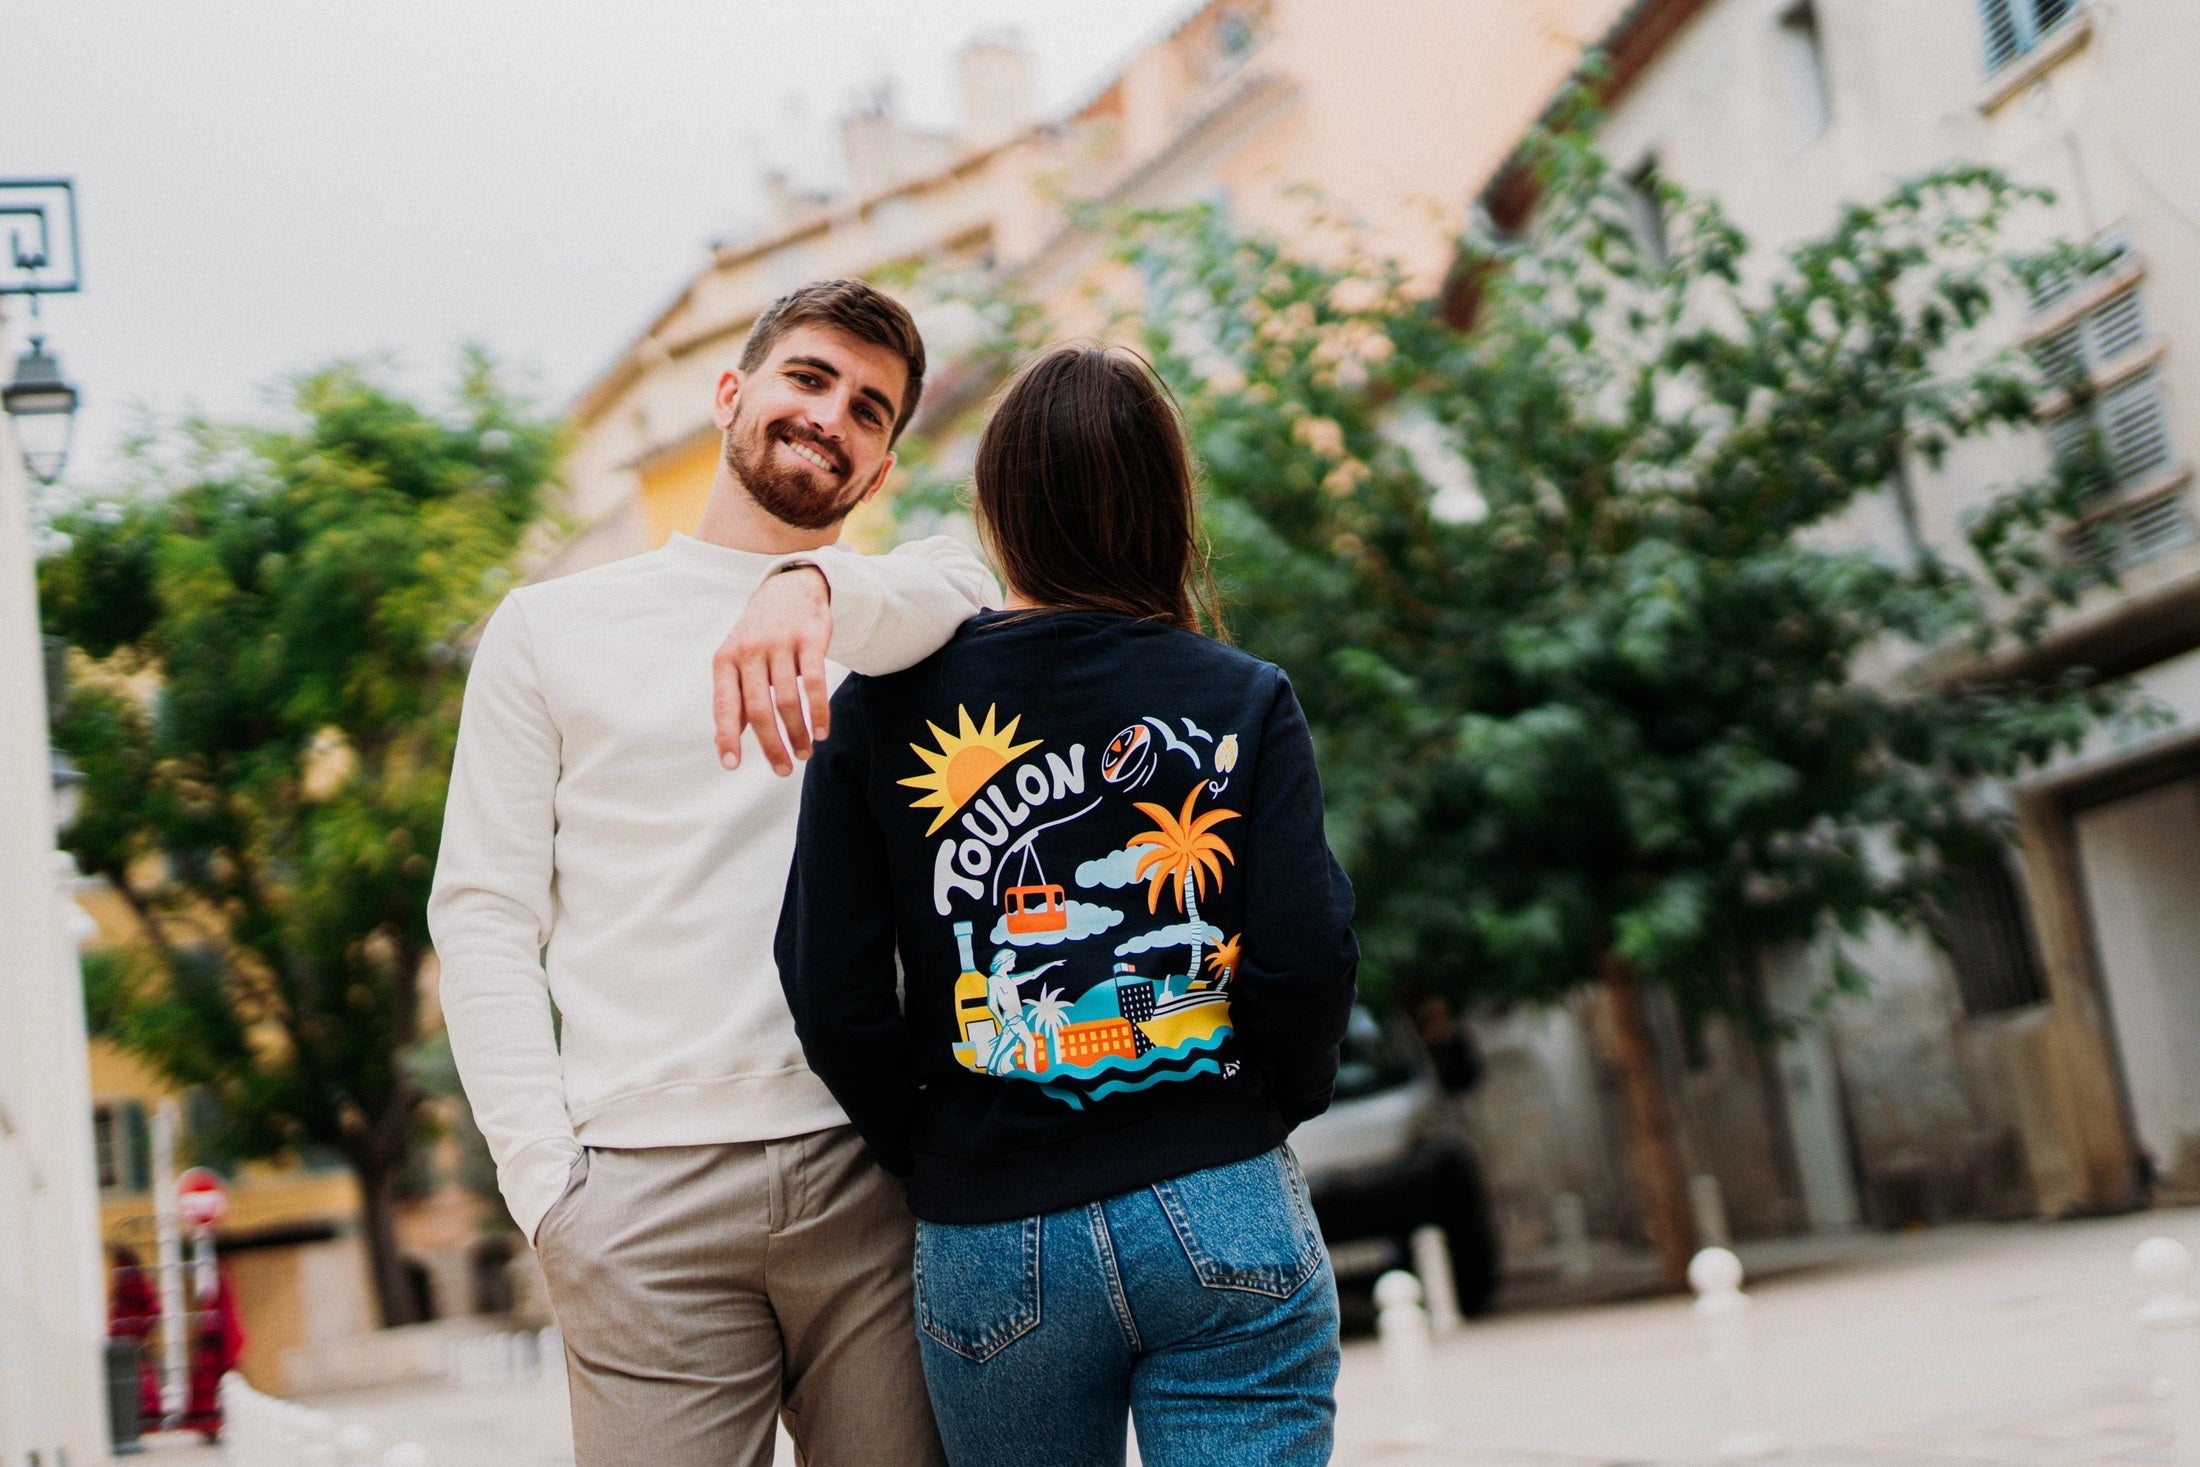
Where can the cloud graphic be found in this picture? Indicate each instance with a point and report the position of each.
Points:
(1113, 871)
(1180, 935)
(1085, 920)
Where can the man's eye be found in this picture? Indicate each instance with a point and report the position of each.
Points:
(806, 379)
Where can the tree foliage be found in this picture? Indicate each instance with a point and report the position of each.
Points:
(1578, 600)
(268, 625)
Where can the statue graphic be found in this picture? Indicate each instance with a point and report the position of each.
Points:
(1004, 996)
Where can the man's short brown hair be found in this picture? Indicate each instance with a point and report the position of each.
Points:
(863, 311)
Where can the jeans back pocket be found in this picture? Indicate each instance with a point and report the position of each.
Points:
(977, 1284)
(1247, 1225)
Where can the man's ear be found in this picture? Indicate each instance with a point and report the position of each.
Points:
(729, 392)
(886, 466)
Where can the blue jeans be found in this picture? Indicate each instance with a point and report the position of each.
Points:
(1203, 1306)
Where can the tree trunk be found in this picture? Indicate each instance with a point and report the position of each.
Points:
(1653, 1152)
(385, 1264)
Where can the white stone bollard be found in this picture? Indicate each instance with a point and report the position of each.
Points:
(1432, 1262)
(1716, 1276)
(262, 1431)
(1402, 1324)
(2172, 1315)
(1570, 1222)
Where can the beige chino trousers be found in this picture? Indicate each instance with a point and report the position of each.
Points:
(706, 1291)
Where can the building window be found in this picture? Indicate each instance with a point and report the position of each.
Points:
(2016, 27)
(1988, 940)
(1236, 32)
(121, 1148)
(1648, 209)
(2117, 428)
(1803, 60)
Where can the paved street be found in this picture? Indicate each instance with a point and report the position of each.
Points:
(2011, 1345)
(2014, 1345)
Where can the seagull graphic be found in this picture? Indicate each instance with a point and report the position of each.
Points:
(1176, 745)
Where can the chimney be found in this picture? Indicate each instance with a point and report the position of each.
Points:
(867, 142)
(997, 100)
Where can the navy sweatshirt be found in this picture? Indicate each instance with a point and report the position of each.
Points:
(1126, 953)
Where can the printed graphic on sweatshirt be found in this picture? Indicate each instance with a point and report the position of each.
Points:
(1084, 996)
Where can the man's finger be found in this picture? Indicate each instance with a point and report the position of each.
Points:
(812, 665)
(756, 703)
(725, 707)
(787, 697)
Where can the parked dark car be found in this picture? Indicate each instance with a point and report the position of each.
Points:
(1390, 1156)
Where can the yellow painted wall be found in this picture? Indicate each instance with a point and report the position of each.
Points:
(676, 486)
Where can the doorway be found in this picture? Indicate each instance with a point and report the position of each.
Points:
(2140, 861)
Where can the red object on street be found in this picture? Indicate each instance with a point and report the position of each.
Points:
(201, 1197)
(133, 1314)
(215, 1349)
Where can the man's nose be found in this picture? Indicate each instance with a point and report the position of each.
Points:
(830, 417)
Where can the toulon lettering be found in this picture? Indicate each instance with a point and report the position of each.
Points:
(990, 818)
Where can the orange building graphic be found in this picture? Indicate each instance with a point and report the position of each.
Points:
(1095, 1040)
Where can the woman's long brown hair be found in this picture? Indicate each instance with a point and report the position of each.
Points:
(1084, 490)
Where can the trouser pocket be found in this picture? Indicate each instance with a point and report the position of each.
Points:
(575, 1179)
(977, 1285)
(1246, 1226)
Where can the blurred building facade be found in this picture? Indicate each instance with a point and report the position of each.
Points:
(2048, 1062)
(1385, 107)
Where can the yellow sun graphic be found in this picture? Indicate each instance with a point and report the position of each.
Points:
(964, 761)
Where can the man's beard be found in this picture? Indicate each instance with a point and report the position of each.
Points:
(788, 494)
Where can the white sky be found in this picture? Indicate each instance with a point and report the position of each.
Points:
(268, 185)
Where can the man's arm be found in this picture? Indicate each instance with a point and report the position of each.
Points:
(490, 914)
(872, 614)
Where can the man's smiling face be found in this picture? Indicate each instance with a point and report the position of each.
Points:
(810, 431)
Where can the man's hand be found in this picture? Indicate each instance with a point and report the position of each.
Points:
(771, 663)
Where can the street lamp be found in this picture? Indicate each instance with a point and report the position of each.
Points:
(41, 259)
(43, 405)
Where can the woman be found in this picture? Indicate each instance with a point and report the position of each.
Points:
(1094, 839)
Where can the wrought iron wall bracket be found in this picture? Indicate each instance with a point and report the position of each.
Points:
(39, 254)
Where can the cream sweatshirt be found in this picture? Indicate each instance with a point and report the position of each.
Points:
(597, 856)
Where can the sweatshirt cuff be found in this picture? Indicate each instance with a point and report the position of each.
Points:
(857, 600)
(533, 1178)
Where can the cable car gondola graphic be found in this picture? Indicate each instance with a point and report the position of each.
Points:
(1034, 904)
(1041, 908)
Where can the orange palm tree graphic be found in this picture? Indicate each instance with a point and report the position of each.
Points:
(1185, 852)
(1225, 959)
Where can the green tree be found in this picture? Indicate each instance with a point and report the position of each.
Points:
(1607, 686)
(270, 625)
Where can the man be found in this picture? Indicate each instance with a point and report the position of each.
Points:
(721, 1251)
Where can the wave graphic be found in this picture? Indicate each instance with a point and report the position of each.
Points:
(1116, 1075)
